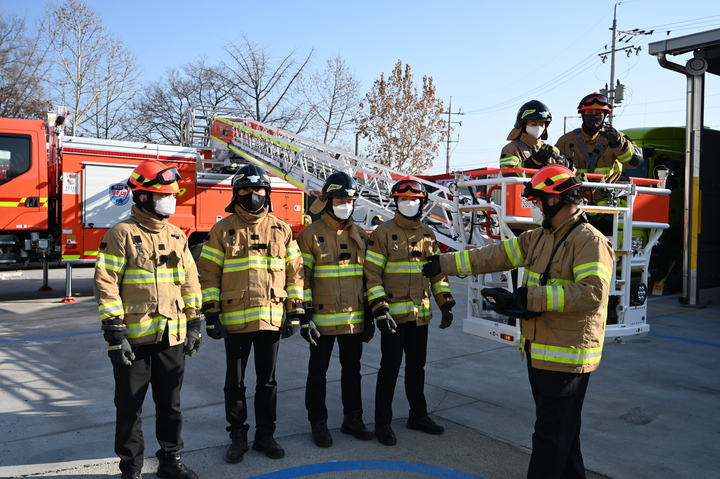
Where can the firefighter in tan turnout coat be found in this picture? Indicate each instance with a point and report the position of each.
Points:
(568, 269)
(251, 278)
(399, 296)
(333, 250)
(149, 296)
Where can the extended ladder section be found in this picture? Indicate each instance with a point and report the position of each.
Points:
(467, 209)
(306, 164)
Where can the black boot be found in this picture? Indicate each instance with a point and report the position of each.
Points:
(425, 424)
(130, 475)
(269, 446)
(239, 445)
(385, 435)
(353, 424)
(172, 467)
(320, 434)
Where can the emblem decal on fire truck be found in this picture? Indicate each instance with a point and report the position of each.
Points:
(119, 193)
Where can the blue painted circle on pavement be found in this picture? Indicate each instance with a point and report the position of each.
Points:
(322, 468)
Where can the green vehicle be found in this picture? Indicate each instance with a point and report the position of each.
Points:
(665, 147)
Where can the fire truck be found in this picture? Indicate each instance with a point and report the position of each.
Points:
(467, 209)
(60, 194)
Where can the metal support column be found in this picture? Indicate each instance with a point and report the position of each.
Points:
(692, 212)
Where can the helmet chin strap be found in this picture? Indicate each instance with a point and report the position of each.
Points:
(549, 212)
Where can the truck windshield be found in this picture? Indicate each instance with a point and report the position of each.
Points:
(14, 156)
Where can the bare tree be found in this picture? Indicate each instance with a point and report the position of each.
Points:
(21, 71)
(159, 108)
(267, 88)
(106, 117)
(404, 127)
(333, 96)
(94, 74)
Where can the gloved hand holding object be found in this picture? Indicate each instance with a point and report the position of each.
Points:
(308, 330)
(193, 340)
(119, 350)
(506, 303)
(432, 267)
(214, 327)
(612, 136)
(291, 324)
(385, 323)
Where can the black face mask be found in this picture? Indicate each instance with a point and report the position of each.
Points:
(252, 203)
(592, 124)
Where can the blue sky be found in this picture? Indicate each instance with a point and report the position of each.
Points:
(490, 57)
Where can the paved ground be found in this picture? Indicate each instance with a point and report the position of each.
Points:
(651, 411)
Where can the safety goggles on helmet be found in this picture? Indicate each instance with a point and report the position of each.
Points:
(153, 176)
(409, 188)
(594, 101)
(165, 177)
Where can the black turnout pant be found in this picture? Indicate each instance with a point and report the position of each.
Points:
(558, 407)
(351, 347)
(410, 340)
(163, 366)
(237, 352)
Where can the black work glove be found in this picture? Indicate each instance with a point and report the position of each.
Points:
(385, 323)
(510, 304)
(368, 327)
(290, 324)
(561, 160)
(194, 338)
(447, 317)
(119, 350)
(612, 135)
(214, 327)
(308, 330)
(432, 267)
(543, 155)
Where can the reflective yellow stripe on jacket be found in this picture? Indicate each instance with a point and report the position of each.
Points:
(559, 354)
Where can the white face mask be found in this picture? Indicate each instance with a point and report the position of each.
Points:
(343, 212)
(165, 206)
(409, 208)
(535, 131)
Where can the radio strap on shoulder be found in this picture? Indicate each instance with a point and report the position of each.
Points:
(545, 277)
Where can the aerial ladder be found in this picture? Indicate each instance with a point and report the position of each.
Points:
(467, 209)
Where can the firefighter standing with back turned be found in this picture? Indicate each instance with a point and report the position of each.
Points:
(148, 296)
(399, 296)
(568, 268)
(251, 278)
(333, 251)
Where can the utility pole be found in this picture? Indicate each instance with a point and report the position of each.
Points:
(449, 122)
(615, 92)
